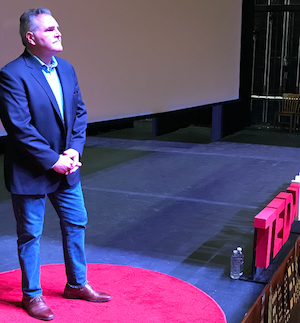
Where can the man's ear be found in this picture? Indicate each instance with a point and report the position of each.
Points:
(30, 37)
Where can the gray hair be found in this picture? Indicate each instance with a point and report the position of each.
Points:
(28, 22)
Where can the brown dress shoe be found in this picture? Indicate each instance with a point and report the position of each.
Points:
(87, 293)
(37, 308)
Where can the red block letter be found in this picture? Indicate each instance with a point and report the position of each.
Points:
(288, 217)
(277, 237)
(263, 222)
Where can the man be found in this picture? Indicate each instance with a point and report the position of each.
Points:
(45, 119)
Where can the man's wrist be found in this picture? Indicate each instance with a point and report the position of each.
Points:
(55, 162)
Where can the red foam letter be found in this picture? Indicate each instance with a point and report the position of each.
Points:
(288, 217)
(294, 189)
(277, 237)
(263, 222)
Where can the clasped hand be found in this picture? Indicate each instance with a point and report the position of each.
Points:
(68, 162)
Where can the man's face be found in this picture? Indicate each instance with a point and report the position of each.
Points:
(47, 39)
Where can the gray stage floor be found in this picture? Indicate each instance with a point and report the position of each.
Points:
(177, 204)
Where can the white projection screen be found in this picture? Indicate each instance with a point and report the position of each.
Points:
(141, 57)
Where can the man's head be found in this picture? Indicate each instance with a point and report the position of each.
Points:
(28, 22)
(40, 32)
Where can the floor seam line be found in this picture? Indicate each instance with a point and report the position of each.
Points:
(171, 197)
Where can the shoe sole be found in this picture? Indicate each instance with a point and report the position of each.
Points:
(85, 299)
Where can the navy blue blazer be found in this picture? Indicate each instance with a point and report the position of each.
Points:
(36, 132)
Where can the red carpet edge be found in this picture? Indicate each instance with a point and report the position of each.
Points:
(139, 295)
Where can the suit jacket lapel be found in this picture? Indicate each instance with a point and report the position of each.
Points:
(40, 78)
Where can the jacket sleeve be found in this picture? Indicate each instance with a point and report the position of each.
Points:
(16, 118)
(79, 123)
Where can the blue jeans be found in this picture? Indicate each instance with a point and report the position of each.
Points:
(29, 212)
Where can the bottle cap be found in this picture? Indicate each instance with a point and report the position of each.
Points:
(239, 249)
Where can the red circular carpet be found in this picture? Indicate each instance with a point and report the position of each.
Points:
(139, 296)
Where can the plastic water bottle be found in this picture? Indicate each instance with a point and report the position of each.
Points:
(240, 252)
(235, 265)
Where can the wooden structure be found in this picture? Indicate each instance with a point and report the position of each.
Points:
(280, 299)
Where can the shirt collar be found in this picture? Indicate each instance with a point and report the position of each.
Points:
(45, 68)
